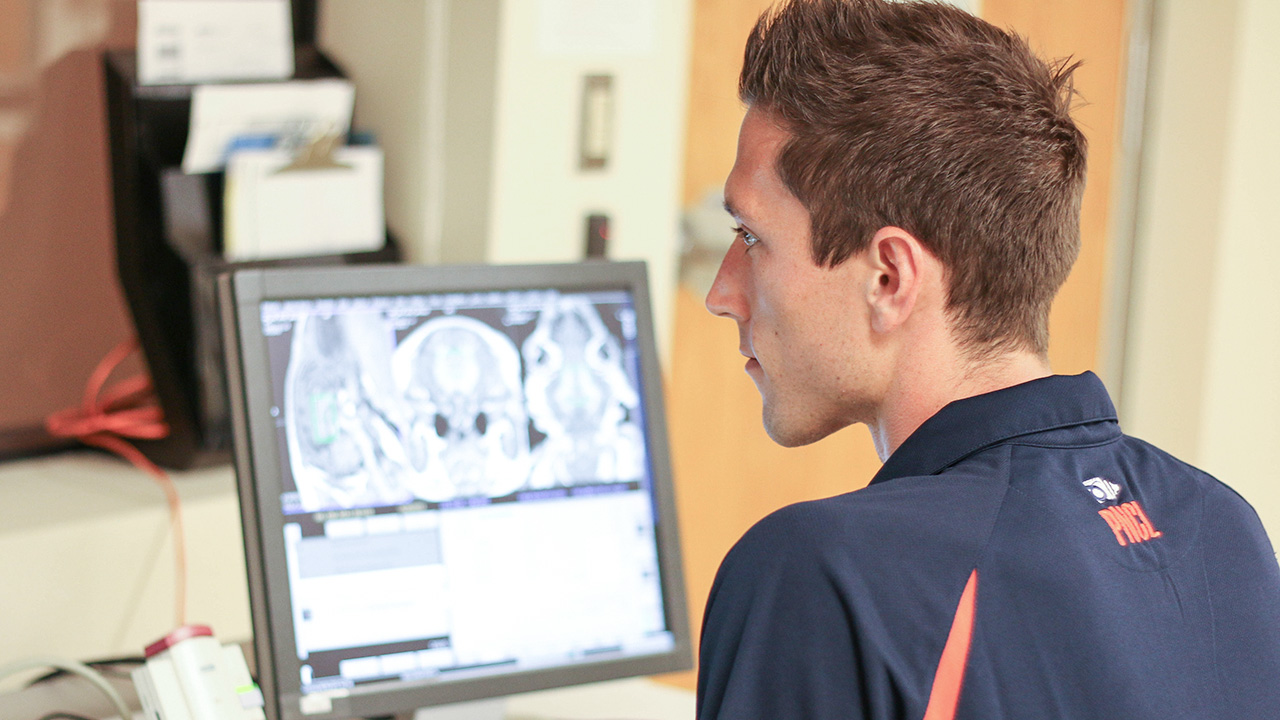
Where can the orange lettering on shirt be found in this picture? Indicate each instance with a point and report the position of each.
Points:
(1129, 523)
(1114, 523)
(1142, 515)
(1144, 534)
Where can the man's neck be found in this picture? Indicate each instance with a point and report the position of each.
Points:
(924, 388)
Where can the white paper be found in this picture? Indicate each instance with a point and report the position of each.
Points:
(597, 27)
(297, 111)
(295, 213)
(192, 41)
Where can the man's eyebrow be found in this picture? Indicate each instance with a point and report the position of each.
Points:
(729, 208)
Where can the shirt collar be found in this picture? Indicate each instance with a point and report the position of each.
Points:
(968, 425)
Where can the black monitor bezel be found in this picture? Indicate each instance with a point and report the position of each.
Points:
(258, 473)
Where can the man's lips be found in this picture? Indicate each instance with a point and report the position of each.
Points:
(752, 363)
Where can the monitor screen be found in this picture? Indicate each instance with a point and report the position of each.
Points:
(454, 481)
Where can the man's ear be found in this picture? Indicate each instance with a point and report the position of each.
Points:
(897, 262)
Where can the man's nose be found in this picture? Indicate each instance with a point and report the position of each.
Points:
(726, 298)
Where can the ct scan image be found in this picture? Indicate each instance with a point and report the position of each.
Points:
(580, 397)
(343, 414)
(382, 409)
(468, 433)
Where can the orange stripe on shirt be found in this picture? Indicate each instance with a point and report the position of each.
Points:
(945, 695)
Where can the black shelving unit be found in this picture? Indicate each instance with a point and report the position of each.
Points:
(168, 228)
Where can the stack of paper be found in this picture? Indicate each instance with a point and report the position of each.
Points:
(284, 197)
(272, 211)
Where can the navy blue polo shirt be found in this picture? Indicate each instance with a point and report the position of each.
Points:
(1018, 557)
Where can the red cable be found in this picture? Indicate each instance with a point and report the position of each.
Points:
(107, 418)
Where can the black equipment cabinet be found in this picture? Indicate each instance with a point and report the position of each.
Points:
(168, 228)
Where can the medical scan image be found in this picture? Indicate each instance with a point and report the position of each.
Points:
(469, 433)
(437, 405)
(341, 413)
(580, 398)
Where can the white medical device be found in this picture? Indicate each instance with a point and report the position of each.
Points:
(189, 675)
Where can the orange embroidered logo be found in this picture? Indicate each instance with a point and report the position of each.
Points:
(1130, 523)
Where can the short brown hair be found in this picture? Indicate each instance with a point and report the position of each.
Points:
(920, 115)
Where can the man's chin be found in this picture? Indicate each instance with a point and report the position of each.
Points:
(790, 433)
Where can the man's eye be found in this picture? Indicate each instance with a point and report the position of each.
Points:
(747, 238)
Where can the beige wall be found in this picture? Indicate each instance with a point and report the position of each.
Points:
(540, 198)
(1201, 374)
(478, 109)
(87, 559)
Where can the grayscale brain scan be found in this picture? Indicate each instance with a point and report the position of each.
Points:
(341, 413)
(385, 404)
(468, 433)
(580, 397)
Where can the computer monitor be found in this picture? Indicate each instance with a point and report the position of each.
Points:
(454, 481)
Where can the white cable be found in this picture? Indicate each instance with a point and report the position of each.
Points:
(75, 668)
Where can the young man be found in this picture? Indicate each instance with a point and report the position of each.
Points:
(907, 192)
